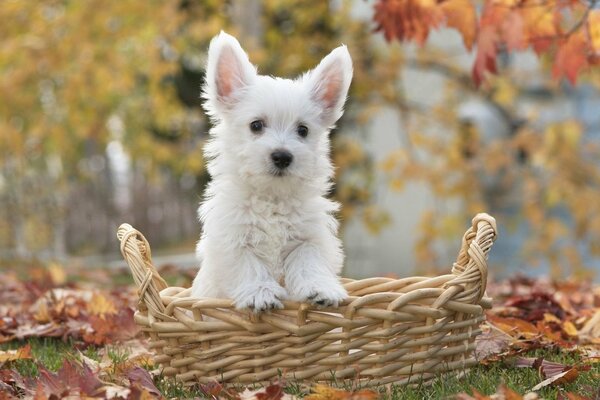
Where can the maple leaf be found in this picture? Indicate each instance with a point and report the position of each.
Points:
(71, 379)
(571, 57)
(515, 327)
(491, 342)
(141, 378)
(552, 372)
(407, 19)
(513, 31)
(559, 379)
(485, 60)
(541, 25)
(101, 306)
(461, 15)
(11, 382)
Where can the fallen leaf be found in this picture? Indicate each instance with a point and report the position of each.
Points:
(139, 376)
(559, 379)
(515, 327)
(22, 353)
(324, 392)
(569, 329)
(101, 306)
(57, 274)
(491, 342)
(271, 392)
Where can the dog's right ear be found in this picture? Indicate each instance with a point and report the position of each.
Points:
(228, 74)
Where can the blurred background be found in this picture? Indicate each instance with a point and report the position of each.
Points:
(101, 123)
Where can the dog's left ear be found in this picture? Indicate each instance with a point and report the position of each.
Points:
(228, 74)
(329, 83)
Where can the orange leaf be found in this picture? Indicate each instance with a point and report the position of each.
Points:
(559, 379)
(324, 392)
(19, 354)
(461, 15)
(513, 326)
(541, 25)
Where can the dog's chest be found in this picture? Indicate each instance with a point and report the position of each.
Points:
(274, 229)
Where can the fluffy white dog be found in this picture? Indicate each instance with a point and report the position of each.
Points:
(269, 232)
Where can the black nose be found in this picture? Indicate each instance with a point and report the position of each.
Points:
(281, 158)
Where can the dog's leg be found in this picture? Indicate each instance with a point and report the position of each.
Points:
(252, 286)
(310, 275)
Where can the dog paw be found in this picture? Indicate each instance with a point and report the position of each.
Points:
(262, 299)
(322, 295)
(322, 299)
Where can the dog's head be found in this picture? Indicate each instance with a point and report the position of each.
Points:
(270, 127)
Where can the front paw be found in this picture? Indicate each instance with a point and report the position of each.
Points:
(261, 299)
(322, 294)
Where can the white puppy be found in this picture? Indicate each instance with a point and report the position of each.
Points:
(269, 232)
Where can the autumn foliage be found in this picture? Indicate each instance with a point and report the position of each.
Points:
(565, 31)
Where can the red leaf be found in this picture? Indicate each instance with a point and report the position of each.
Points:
(571, 57)
(407, 19)
(272, 392)
(513, 31)
(70, 379)
(485, 60)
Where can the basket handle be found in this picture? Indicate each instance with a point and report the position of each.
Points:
(470, 267)
(136, 251)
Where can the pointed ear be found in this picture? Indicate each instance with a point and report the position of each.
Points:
(228, 73)
(329, 83)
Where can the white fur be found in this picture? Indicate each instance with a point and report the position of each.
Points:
(267, 238)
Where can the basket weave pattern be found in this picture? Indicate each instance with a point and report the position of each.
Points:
(388, 330)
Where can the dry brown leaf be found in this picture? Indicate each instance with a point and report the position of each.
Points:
(559, 379)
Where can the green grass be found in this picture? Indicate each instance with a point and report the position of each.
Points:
(485, 379)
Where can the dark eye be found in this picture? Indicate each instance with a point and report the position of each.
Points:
(257, 126)
(302, 130)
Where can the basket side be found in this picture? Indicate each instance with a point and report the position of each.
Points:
(136, 252)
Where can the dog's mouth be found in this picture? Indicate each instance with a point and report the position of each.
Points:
(279, 172)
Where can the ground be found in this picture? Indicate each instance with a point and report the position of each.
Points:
(75, 336)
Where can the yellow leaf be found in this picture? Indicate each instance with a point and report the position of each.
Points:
(57, 274)
(569, 328)
(593, 26)
(42, 313)
(551, 318)
(101, 306)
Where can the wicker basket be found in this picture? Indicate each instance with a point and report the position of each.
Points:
(389, 330)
